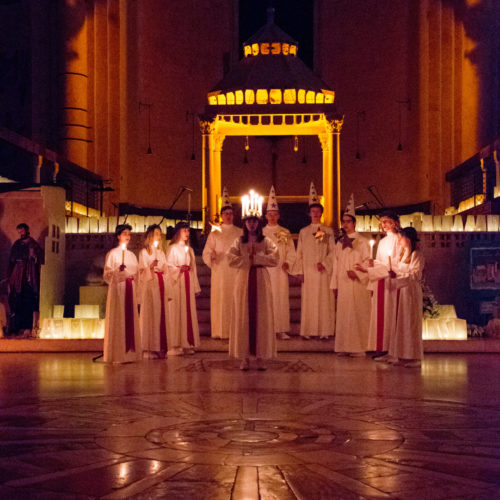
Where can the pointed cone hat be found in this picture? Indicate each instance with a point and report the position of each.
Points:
(349, 209)
(226, 203)
(313, 196)
(272, 202)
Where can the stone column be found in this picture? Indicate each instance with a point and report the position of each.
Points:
(73, 81)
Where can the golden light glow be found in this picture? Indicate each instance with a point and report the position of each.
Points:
(262, 96)
(249, 96)
(275, 96)
(272, 96)
(251, 204)
(273, 48)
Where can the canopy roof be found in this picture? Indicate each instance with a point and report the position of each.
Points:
(270, 73)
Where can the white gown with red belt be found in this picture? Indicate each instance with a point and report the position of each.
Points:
(122, 340)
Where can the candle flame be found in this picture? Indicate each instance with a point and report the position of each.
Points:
(372, 242)
(155, 244)
(124, 246)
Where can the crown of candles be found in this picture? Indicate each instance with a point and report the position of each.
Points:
(251, 204)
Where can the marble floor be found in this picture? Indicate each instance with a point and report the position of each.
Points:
(313, 426)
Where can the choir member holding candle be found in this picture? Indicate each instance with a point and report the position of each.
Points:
(313, 265)
(406, 345)
(252, 332)
(154, 294)
(122, 342)
(222, 275)
(182, 308)
(349, 288)
(383, 310)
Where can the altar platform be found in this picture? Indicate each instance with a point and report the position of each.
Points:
(295, 344)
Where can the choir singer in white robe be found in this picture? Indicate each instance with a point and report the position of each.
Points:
(222, 274)
(349, 287)
(406, 345)
(154, 294)
(185, 286)
(313, 265)
(252, 329)
(282, 238)
(122, 342)
(383, 310)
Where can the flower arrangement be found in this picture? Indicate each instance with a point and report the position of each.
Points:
(282, 236)
(430, 304)
(320, 236)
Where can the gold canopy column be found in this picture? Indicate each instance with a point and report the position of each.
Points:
(215, 141)
(326, 140)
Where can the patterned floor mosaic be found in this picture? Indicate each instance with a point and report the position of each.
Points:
(310, 427)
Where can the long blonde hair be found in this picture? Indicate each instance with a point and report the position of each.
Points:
(149, 238)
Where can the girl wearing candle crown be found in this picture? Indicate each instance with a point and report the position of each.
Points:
(252, 329)
(122, 342)
(406, 345)
(154, 294)
(182, 308)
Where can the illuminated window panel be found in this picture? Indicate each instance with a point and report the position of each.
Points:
(247, 50)
(301, 97)
(293, 50)
(262, 97)
(275, 48)
(264, 48)
(285, 49)
(239, 96)
(255, 49)
(290, 96)
(320, 98)
(275, 96)
(329, 96)
(212, 100)
(221, 99)
(230, 98)
(310, 97)
(249, 96)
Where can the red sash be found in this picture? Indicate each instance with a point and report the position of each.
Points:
(252, 310)
(129, 315)
(163, 326)
(380, 314)
(190, 335)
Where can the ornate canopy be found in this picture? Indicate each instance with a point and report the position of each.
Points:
(271, 92)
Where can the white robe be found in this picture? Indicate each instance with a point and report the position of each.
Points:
(222, 278)
(178, 306)
(115, 326)
(383, 311)
(317, 303)
(282, 238)
(353, 299)
(265, 255)
(407, 340)
(151, 301)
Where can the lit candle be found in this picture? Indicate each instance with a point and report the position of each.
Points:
(155, 244)
(186, 250)
(372, 246)
(124, 247)
(389, 255)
